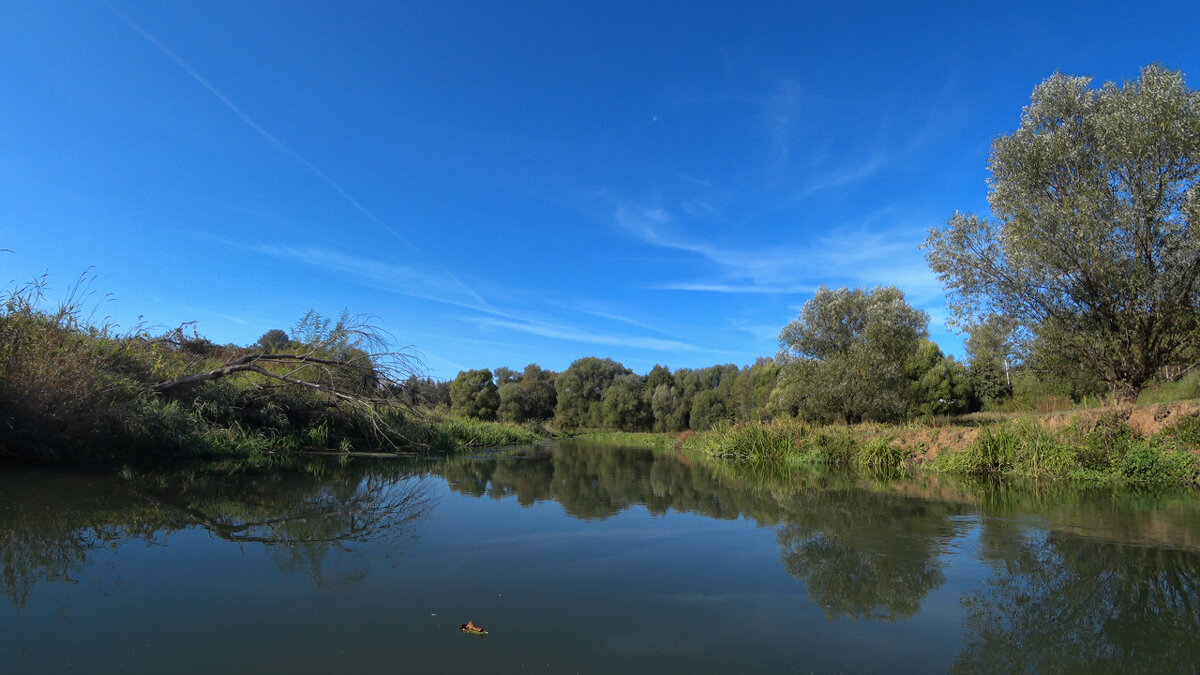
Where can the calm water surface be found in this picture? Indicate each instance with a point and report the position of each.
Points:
(588, 558)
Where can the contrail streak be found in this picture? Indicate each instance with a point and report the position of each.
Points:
(274, 140)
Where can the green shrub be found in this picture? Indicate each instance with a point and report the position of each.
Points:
(834, 445)
(882, 453)
(1148, 463)
(1019, 448)
(1184, 434)
(473, 432)
(1106, 443)
(748, 440)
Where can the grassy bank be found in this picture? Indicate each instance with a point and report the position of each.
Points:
(74, 391)
(1101, 447)
(633, 439)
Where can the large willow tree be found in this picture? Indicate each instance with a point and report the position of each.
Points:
(844, 357)
(1093, 246)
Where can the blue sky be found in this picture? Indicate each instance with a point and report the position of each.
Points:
(505, 183)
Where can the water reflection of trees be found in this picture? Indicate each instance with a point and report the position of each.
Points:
(1062, 602)
(308, 520)
(1104, 579)
(45, 538)
(874, 549)
(866, 554)
(305, 521)
(592, 483)
(859, 553)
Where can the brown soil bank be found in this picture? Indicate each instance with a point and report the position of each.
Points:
(1145, 420)
(927, 443)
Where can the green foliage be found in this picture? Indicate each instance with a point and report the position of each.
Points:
(708, 410)
(472, 432)
(630, 439)
(505, 375)
(882, 453)
(1149, 463)
(423, 392)
(525, 396)
(749, 441)
(750, 393)
(473, 394)
(658, 375)
(669, 409)
(1186, 388)
(1041, 392)
(580, 389)
(847, 353)
(834, 445)
(795, 442)
(1108, 452)
(514, 403)
(989, 383)
(541, 396)
(623, 406)
(939, 384)
(274, 340)
(1094, 248)
(1183, 434)
(71, 391)
(1019, 448)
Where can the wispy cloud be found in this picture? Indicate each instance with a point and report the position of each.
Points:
(850, 254)
(193, 310)
(734, 288)
(624, 319)
(782, 113)
(403, 279)
(843, 176)
(560, 332)
(418, 283)
(651, 223)
(687, 178)
(763, 333)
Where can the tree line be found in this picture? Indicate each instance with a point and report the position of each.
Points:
(851, 356)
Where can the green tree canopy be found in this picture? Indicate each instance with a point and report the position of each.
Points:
(847, 352)
(991, 344)
(580, 388)
(708, 408)
(514, 403)
(669, 411)
(473, 394)
(274, 340)
(503, 375)
(940, 385)
(541, 396)
(624, 406)
(1093, 245)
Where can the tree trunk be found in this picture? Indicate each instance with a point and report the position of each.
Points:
(1124, 392)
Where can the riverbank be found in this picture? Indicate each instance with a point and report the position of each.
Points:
(1157, 444)
(74, 392)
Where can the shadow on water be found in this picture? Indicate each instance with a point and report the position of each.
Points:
(1071, 578)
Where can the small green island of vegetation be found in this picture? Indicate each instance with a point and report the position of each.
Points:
(1080, 297)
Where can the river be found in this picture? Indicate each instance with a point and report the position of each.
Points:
(589, 558)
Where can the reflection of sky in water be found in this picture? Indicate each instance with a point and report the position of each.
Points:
(833, 578)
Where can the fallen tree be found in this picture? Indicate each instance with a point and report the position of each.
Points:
(344, 360)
